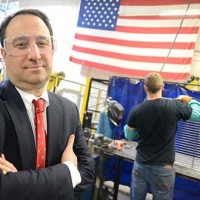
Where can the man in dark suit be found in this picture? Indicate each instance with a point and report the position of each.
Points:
(27, 50)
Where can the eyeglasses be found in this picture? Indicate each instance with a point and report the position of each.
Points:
(22, 45)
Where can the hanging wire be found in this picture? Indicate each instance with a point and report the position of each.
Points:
(172, 45)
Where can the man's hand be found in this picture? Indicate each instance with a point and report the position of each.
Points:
(185, 99)
(68, 154)
(6, 166)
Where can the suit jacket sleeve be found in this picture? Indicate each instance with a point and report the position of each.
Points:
(51, 183)
(86, 164)
(66, 112)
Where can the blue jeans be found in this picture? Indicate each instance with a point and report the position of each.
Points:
(158, 179)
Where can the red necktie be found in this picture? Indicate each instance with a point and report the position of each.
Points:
(40, 133)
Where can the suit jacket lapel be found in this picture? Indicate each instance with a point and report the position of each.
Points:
(53, 131)
(21, 122)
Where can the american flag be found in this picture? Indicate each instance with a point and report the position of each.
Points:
(135, 37)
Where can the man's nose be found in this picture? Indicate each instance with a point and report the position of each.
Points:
(34, 51)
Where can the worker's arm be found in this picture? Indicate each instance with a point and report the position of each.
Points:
(130, 133)
(195, 105)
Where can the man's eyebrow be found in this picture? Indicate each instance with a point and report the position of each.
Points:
(19, 38)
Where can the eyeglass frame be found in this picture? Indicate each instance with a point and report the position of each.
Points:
(29, 48)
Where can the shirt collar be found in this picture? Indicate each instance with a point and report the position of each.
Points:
(28, 98)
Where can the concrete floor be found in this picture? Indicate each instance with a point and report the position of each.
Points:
(124, 192)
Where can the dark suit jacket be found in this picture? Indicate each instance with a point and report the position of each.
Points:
(18, 145)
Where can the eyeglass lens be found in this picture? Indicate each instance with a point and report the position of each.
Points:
(22, 45)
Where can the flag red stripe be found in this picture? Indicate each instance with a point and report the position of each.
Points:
(135, 58)
(139, 44)
(131, 72)
(156, 2)
(150, 17)
(159, 30)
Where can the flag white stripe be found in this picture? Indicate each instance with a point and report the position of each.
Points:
(132, 65)
(138, 37)
(158, 23)
(135, 51)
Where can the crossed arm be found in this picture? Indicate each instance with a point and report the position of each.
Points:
(68, 155)
(49, 183)
(6, 166)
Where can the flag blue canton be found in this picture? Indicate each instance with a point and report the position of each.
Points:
(99, 14)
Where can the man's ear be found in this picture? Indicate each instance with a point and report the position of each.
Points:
(145, 88)
(162, 87)
(3, 54)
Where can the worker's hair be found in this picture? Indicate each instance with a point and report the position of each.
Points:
(153, 82)
(35, 12)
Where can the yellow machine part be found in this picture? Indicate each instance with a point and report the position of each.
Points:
(85, 98)
(194, 85)
(54, 80)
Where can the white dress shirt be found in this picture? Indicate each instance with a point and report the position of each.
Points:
(28, 99)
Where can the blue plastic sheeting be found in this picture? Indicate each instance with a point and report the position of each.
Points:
(129, 93)
(186, 189)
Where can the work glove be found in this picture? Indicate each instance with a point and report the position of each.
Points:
(184, 98)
